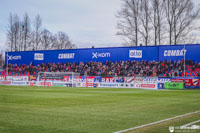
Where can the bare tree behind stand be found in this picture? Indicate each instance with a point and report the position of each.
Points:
(37, 26)
(20, 36)
(164, 21)
(10, 33)
(26, 30)
(45, 40)
(63, 41)
(16, 29)
(144, 17)
(128, 25)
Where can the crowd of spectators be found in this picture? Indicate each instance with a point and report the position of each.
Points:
(121, 68)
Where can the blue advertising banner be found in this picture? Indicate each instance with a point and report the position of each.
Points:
(84, 55)
(191, 52)
(38, 57)
(118, 54)
(161, 85)
(148, 53)
(164, 80)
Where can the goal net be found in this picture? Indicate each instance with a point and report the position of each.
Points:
(68, 77)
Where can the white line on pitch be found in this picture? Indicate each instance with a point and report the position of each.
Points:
(149, 124)
(191, 123)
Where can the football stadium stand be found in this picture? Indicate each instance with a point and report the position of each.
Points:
(109, 68)
(147, 61)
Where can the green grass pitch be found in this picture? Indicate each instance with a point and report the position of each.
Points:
(92, 110)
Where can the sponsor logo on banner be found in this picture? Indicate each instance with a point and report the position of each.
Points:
(174, 86)
(19, 83)
(138, 80)
(127, 85)
(189, 82)
(38, 56)
(177, 80)
(150, 79)
(192, 83)
(146, 86)
(62, 84)
(110, 85)
(32, 83)
(129, 79)
(67, 79)
(17, 57)
(195, 82)
(164, 80)
(100, 55)
(141, 79)
(135, 53)
(161, 85)
(44, 83)
(66, 56)
(112, 79)
(88, 84)
(2, 77)
(59, 83)
(5, 82)
(69, 85)
(51, 76)
(175, 52)
(17, 78)
(32, 78)
(108, 80)
(89, 79)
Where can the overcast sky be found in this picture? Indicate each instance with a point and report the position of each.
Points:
(87, 22)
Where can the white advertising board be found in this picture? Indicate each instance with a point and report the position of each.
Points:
(17, 78)
(146, 86)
